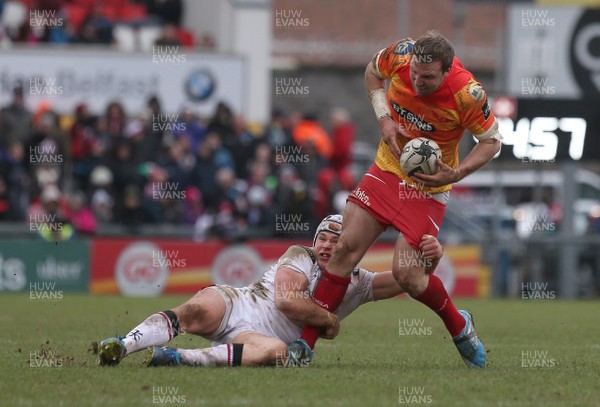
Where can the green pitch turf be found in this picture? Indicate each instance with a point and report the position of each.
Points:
(391, 353)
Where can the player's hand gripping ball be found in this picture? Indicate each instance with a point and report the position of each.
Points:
(420, 155)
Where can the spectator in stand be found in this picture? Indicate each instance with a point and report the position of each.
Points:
(169, 36)
(257, 194)
(193, 207)
(154, 130)
(230, 220)
(4, 202)
(16, 181)
(41, 32)
(46, 149)
(96, 29)
(129, 210)
(242, 148)
(343, 140)
(146, 147)
(222, 124)
(212, 156)
(263, 153)
(79, 214)
(61, 34)
(278, 133)
(46, 216)
(104, 142)
(116, 120)
(338, 175)
(206, 41)
(16, 121)
(190, 127)
(82, 142)
(310, 131)
(101, 180)
(102, 207)
(169, 11)
(173, 180)
(124, 171)
(291, 197)
(315, 149)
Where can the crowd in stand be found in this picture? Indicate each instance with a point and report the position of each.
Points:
(213, 173)
(109, 22)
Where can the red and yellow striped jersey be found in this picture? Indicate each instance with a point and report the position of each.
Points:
(459, 103)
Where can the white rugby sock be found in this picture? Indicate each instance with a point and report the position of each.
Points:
(222, 355)
(155, 330)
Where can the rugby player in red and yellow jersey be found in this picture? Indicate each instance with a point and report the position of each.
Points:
(430, 95)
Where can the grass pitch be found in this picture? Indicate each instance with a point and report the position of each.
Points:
(391, 353)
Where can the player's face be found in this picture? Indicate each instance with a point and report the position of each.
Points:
(324, 246)
(426, 78)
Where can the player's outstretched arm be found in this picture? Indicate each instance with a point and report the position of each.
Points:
(292, 298)
(481, 154)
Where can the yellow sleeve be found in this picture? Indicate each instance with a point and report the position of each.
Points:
(474, 109)
(389, 59)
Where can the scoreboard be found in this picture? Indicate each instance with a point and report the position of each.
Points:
(552, 129)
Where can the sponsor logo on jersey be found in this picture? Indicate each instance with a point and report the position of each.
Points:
(485, 109)
(361, 196)
(476, 91)
(404, 47)
(411, 117)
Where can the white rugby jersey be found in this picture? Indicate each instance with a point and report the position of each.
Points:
(259, 308)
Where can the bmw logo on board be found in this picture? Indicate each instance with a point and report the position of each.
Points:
(200, 85)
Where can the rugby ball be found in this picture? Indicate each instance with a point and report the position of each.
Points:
(420, 155)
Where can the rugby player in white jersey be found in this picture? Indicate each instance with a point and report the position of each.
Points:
(253, 325)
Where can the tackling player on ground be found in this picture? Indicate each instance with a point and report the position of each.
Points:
(254, 325)
(430, 95)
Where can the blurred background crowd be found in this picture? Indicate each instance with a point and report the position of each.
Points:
(130, 24)
(214, 173)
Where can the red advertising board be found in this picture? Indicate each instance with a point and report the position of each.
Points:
(146, 267)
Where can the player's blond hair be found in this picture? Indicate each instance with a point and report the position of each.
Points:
(433, 46)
